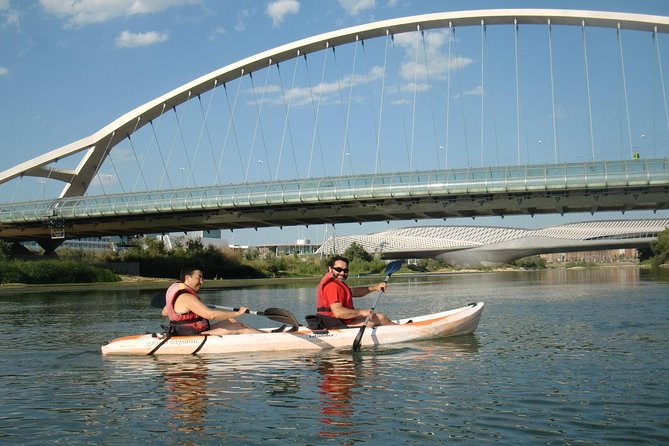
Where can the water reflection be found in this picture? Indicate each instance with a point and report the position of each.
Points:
(339, 376)
(185, 381)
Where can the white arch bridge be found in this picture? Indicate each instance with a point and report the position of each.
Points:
(484, 245)
(384, 121)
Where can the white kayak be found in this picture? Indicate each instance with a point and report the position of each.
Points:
(459, 321)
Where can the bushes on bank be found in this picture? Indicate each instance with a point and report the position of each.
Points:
(53, 271)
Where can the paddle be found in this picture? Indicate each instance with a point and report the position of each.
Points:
(390, 269)
(275, 314)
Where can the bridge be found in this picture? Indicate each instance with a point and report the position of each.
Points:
(487, 246)
(277, 155)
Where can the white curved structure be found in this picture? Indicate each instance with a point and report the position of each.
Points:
(98, 145)
(482, 245)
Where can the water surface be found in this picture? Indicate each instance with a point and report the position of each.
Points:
(560, 357)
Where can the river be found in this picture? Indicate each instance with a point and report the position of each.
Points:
(560, 357)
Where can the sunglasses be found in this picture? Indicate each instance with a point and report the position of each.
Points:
(340, 270)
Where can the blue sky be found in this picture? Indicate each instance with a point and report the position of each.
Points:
(67, 68)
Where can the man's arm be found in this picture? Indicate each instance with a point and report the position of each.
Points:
(365, 290)
(188, 302)
(341, 312)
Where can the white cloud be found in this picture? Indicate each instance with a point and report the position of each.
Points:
(277, 10)
(242, 16)
(476, 91)
(434, 48)
(327, 91)
(216, 33)
(85, 12)
(4, 71)
(131, 40)
(355, 7)
(8, 15)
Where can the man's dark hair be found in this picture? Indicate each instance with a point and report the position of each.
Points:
(337, 258)
(188, 271)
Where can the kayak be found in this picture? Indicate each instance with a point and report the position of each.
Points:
(459, 321)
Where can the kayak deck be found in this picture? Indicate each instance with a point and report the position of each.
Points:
(454, 322)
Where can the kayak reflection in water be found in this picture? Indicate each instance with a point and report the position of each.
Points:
(190, 316)
(186, 395)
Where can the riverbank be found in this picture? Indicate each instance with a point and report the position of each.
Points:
(129, 282)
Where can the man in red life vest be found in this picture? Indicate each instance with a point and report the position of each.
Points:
(334, 298)
(189, 315)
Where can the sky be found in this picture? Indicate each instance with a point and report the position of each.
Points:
(67, 68)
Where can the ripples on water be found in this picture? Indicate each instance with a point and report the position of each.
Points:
(559, 358)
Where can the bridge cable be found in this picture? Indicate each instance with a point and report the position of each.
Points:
(134, 152)
(653, 98)
(199, 139)
(16, 189)
(139, 166)
(430, 96)
(316, 110)
(377, 128)
(659, 62)
(587, 84)
(448, 93)
(516, 35)
(399, 90)
(377, 156)
(183, 143)
(206, 126)
(286, 122)
(102, 158)
(622, 68)
(492, 100)
(413, 108)
(172, 145)
(258, 125)
(162, 158)
(482, 85)
(147, 152)
(111, 160)
(155, 137)
(550, 60)
(231, 124)
(346, 149)
(462, 101)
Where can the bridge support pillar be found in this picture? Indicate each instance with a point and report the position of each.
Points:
(49, 246)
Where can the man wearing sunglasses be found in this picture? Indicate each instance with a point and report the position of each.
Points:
(335, 299)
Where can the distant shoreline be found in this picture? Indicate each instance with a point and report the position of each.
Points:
(151, 283)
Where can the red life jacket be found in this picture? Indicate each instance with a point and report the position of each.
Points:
(189, 319)
(337, 291)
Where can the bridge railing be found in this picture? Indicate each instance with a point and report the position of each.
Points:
(438, 183)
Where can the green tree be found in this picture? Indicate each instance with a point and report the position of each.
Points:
(355, 251)
(661, 248)
(194, 245)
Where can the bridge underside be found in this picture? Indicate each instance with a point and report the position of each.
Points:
(346, 211)
(511, 251)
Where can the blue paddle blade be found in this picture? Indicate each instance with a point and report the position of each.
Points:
(393, 266)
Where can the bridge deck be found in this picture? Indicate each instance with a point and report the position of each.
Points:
(568, 187)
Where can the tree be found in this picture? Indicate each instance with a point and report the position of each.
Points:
(356, 251)
(194, 245)
(661, 248)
